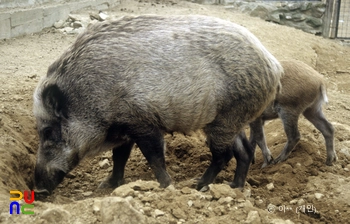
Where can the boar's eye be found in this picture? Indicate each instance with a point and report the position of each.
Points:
(47, 133)
(51, 133)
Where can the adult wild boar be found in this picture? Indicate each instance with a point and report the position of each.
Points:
(132, 80)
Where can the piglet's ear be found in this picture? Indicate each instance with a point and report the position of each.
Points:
(55, 100)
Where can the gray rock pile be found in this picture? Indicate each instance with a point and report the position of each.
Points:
(76, 23)
(306, 16)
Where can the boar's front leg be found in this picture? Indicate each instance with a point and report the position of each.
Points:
(152, 147)
(120, 157)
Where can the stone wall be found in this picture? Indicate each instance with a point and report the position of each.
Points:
(305, 15)
(11, 4)
(37, 15)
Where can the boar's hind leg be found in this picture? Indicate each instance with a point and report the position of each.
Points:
(120, 156)
(244, 153)
(317, 118)
(152, 147)
(220, 144)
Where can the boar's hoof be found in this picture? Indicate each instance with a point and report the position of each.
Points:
(268, 162)
(108, 183)
(201, 185)
(234, 185)
(280, 158)
(331, 159)
(204, 189)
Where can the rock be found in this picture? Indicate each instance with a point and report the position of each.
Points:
(274, 17)
(293, 6)
(262, 10)
(318, 196)
(96, 206)
(75, 17)
(59, 24)
(178, 213)
(190, 203)
(94, 16)
(119, 210)
(87, 194)
(140, 185)
(55, 215)
(253, 181)
(253, 217)
(66, 30)
(298, 17)
(281, 221)
(103, 16)
(147, 199)
(226, 200)
(301, 202)
(158, 212)
(293, 202)
(104, 164)
(186, 190)
(319, 11)
(306, 6)
(147, 211)
(77, 24)
(314, 22)
(221, 190)
(270, 186)
(123, 191)
(345, 151)
(247, 192)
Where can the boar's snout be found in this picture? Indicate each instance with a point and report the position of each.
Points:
(46, 180)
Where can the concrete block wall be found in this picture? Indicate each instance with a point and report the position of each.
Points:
(17, 22)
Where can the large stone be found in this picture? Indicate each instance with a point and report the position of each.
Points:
(221, 191)
(318, 11)
(298, 17)
(314, 22)
(124, 191)
(140, 185)
(253, 217)
(275, 17)
(293, 6)
(55, 215)
(262, 10)
(119, 210)
(306, 6)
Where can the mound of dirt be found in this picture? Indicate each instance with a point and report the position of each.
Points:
(300, 190)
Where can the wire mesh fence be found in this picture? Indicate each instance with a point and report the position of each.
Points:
(343, 22)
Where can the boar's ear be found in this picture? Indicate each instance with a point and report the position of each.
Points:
(55, 100)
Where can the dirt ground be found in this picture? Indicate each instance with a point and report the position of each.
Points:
(302, 180)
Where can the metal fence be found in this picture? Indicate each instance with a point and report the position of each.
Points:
(343, 21)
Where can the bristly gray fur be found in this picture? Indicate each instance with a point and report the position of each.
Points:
(170, 73)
